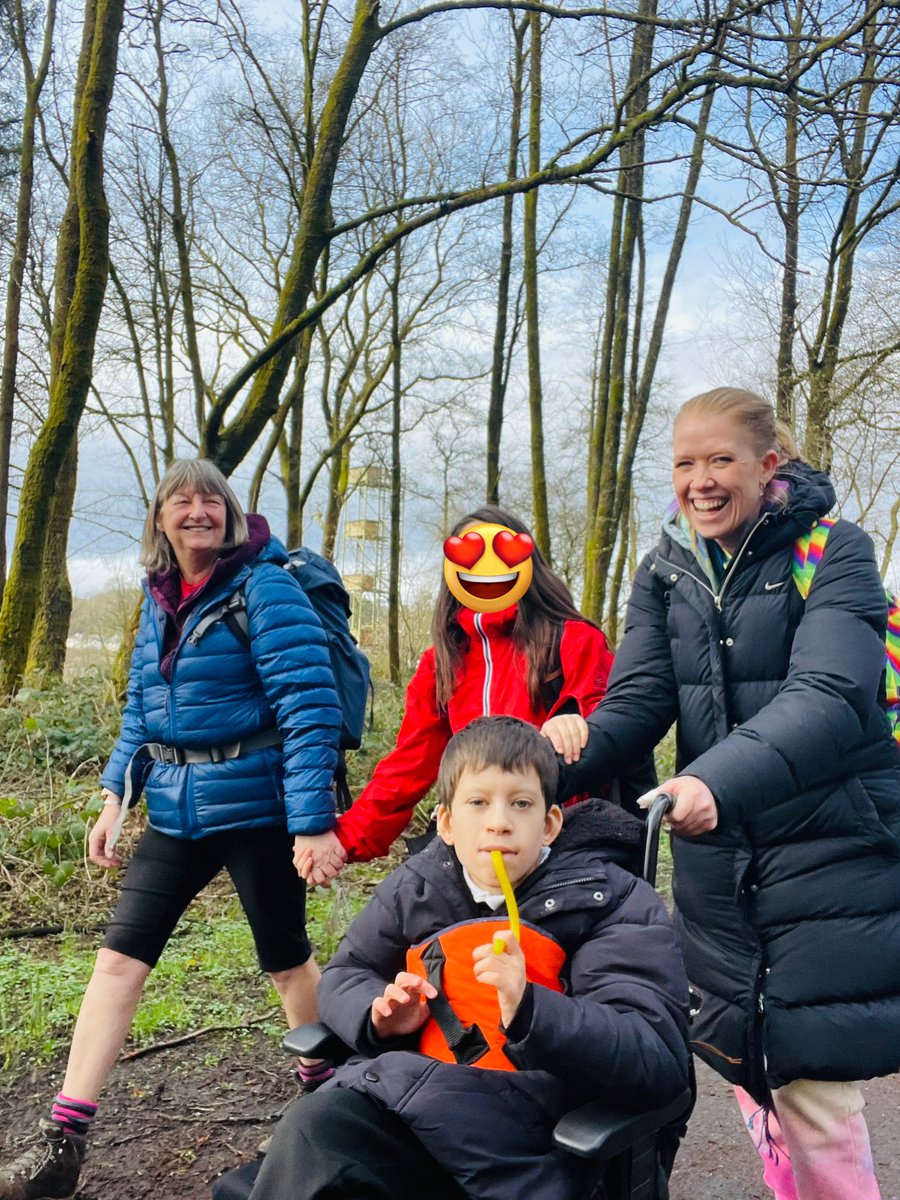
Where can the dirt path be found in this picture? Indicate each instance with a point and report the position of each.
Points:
(172, 1122)
(717, 1160)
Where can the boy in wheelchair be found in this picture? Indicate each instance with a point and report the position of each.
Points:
(470, 1043)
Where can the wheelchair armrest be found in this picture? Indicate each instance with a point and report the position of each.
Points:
(316, 1041)
(597, 1131)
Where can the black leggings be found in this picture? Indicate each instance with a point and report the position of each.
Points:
(166, 873)
(342, 1145)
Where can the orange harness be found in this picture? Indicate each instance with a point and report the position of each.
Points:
(464, 1026)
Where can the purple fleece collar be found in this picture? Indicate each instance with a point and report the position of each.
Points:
(165, 586)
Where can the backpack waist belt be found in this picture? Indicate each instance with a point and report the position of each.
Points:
(179, 755)
(139, 768)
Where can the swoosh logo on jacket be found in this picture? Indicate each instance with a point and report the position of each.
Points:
(770, 587)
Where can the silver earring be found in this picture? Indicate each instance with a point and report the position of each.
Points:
(762, 489)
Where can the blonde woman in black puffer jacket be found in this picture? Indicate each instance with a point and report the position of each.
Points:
(787, 821)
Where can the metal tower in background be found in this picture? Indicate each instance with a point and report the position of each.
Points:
(363, 552)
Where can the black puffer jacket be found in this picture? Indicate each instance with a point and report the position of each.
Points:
(618, 1032)
(789, 912)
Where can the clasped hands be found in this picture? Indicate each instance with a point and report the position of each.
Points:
(319, 858)
(402, 1009)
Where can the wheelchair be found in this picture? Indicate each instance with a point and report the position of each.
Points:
(633, 1151)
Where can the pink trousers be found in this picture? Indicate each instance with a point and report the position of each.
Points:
(818, 1144)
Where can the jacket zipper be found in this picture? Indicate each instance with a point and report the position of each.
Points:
(488, 666)
(564, 883)
(762, 1063)
(717, 596)
(191, 822)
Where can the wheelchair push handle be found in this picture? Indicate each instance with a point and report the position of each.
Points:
(660, 803)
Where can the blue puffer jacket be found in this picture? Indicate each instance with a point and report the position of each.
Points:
(219, 691)
(617, 1034)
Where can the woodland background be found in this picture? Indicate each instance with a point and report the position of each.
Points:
(483, 246)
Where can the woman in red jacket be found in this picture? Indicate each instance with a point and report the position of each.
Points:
(538, 658)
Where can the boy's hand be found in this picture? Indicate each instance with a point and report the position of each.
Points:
(568, 734)
(505, 972)
(402, 1009)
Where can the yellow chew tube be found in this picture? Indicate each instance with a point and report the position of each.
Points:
(509, 896)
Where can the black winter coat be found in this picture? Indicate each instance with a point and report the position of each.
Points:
(618, 1032)
(789, 912)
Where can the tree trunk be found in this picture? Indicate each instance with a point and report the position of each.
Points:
(499, 373)
(396, 481)
(607, 423)
(276, 440)
(824, 352)
(47, 654)
(228, 446)
(123, 658)
(179, 222)
(618, 577)
(338, 476)
(787, 326)
(82, 267)
(34, 83)
(292, 463)
(610, 469)
(532, 313)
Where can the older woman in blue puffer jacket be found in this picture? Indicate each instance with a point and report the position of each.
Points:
(235, 741)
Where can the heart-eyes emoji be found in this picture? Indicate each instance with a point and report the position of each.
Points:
(488, 567)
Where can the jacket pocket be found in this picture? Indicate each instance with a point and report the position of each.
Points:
(870, 819)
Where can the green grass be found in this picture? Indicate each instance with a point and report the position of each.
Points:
(54, 742)
(208, 975)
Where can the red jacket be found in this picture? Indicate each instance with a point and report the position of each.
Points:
(492, 682)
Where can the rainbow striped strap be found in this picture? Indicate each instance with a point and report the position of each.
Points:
(807, 556)
(808, 551)
(892, 658)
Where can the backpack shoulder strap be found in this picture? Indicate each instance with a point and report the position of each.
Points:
(233, 612)
(892, 655)
(808, 550)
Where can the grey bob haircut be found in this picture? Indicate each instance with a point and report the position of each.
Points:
(189, 475)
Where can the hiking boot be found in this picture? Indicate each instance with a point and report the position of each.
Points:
(48, 1170)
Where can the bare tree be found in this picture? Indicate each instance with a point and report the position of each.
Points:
(504, 338)
(34, 76)
(824, 154)
(80, 285)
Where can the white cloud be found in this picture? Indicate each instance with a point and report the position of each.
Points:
(90, 574)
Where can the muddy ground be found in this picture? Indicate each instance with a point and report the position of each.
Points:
(171, 1122)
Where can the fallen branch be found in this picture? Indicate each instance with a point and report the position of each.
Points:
(143, 1051)
(211, 1118)
(39, 931)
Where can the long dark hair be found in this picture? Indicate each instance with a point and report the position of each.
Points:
(537, 631)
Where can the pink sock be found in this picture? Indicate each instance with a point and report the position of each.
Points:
(75, 1116)
(314, 1072)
